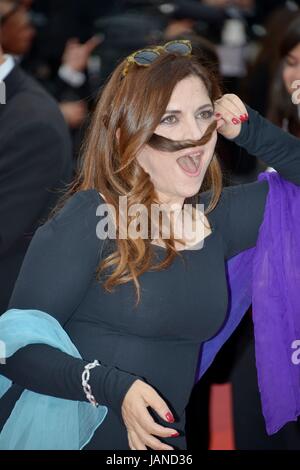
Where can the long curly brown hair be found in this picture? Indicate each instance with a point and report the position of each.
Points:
(135, 105)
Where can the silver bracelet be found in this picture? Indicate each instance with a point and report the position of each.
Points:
(85, 382)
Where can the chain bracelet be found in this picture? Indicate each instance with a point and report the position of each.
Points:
(85, 382)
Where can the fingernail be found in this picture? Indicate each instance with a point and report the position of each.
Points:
(235, 121)
(170, 417)
(176, 434)
(244, 117)
(218, 114)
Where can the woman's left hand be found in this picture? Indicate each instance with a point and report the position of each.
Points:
(230, 112)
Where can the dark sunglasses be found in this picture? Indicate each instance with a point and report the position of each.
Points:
(145, 57)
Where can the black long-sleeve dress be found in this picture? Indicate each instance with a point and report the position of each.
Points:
(181, 306)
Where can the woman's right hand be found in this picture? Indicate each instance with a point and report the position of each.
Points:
(141, 427)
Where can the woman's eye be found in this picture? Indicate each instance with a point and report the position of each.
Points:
(168, 120)
(206, 114)
(290, 62)
(173, 119)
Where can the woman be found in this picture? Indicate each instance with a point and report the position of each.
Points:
(144, 325)
(284, 100)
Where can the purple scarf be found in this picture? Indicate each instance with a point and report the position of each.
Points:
(268, 276)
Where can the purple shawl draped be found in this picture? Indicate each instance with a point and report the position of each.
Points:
(268, 276)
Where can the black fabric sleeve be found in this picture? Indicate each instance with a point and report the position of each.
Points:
(56, 272)
(49, 371)
(240, 210)
(270, 143)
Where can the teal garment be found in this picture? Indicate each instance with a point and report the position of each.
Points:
(41, 422)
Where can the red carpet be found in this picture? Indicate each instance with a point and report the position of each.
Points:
(221, 422)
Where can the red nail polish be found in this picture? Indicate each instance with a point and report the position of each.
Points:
(176, 434)
(218, 115)
(235, 121)
(170, 417)
(244, 117)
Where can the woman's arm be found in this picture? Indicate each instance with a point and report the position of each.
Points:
(240, 211)
(271, 144)
(49, 371)
(54, 277)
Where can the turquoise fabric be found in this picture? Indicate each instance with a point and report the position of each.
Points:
(41, 422)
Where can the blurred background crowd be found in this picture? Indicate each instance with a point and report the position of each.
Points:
(63, 51)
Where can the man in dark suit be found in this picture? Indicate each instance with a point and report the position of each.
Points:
(35, 164)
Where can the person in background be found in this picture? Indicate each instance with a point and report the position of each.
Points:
(17, 31)
(283, 108)
(35, 160)
(66, 80)
(71, 87)
(255, 88)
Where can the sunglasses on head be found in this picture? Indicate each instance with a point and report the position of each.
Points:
(145, 57)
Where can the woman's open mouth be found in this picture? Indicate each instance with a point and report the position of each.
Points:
(190, 163)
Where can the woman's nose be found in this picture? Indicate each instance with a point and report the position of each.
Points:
(193, 130)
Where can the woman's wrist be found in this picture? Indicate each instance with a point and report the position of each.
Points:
(85, 382)
(110, 385)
